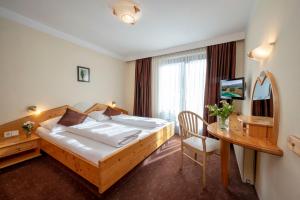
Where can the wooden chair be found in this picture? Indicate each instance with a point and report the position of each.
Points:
(193, 141)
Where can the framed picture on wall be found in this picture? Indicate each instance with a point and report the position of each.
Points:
(83, 74)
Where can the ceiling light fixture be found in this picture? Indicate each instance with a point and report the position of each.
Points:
(127, 11)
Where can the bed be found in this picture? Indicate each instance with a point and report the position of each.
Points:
(99, 163)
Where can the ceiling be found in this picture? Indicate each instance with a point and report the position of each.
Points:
(164, 23)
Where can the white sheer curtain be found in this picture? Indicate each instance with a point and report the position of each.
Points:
(178, 83)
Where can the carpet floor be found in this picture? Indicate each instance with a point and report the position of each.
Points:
(157, 177)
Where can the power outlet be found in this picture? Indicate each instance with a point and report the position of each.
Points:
(15, 133)
(8, 134)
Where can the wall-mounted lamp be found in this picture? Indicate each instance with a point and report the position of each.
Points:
(34, 110)
(113, 104)
(262, 52)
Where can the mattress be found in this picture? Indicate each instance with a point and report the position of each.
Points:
(89, 149)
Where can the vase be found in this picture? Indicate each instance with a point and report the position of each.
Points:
(28, 134)
(223, 123)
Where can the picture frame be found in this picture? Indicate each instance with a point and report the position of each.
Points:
(83, 74)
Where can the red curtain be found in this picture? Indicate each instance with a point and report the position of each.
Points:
(142, 94)
(221, 63)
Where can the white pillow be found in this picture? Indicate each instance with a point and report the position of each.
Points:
(98, 115)
(50, 123)
(83, 106)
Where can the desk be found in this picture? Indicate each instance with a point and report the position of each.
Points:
(237, 135)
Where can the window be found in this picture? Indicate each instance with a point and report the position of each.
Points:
(179, 84)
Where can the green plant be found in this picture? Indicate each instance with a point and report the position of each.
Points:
(223, 112)
(28, 126)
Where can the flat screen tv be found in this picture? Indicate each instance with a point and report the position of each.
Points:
(232, 89)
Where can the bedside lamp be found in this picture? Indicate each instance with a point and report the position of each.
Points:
(113, 104)
(34, 110)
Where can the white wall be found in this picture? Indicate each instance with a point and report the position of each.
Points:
(278, 178)
(39, 69)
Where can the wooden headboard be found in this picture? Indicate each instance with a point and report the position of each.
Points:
(99, 107)
(45, 115)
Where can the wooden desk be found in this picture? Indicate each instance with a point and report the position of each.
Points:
(237, 135)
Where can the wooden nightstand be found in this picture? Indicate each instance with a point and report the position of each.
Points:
(17, 149)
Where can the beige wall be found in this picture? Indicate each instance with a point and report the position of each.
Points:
(129, 86)
(278, 177)
(39, 69)
(239, 72)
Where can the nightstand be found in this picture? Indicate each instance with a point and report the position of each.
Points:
(17, 149)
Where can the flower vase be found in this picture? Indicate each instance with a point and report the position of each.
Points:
(223, 123)
(28, 134)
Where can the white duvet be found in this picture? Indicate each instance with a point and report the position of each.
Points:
(116, 135)
(139, 121)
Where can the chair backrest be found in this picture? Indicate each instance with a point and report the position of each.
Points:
(189, 122)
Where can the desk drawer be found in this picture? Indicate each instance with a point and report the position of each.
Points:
(7, 151)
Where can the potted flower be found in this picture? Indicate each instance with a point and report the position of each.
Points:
(28, 126)
(222, 113)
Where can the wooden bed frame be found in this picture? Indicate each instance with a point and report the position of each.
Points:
(110, 169)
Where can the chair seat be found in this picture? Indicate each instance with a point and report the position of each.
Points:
(195, 142)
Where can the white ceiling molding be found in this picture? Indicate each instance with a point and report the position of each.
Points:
(8, 14)
(200, 44)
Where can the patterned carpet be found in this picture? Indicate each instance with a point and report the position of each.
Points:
(158, 177)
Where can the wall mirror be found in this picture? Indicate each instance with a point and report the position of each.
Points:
(264, 100)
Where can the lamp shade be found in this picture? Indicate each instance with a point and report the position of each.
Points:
(127, 11)
(262, 52)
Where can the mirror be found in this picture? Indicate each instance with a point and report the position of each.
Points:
(264, 100)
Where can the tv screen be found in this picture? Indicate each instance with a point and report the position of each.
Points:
(232, 89)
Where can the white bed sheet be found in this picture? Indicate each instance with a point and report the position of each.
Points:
(91, 150)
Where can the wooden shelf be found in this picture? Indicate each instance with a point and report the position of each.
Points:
(17, 140)
(17, 149)
(258, 127)
(20, 157)
(256, 120)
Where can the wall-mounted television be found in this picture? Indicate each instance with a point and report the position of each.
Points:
(232, 88)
